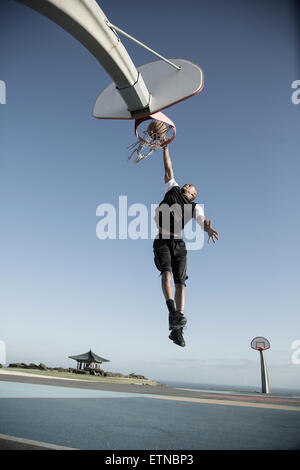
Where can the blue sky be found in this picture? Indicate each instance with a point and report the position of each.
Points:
(63, 290)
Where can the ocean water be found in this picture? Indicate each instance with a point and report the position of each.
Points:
(225, 388)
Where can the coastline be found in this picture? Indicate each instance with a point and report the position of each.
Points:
(229, 389)
(149, 384)
(69, 376)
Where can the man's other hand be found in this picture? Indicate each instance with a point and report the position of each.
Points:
(212, 234)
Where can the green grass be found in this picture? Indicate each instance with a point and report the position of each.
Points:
(70, 375)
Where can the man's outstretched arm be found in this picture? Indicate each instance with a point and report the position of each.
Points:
(169, 174)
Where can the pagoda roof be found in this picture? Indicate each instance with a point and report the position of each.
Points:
(89, 356)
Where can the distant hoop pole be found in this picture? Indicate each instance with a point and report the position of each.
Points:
(259, 343)
(264, 373)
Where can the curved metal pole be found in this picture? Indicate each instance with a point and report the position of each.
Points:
(85, 20)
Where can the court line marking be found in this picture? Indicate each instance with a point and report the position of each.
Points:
(230, 403)
(34, 443)
(25, 397)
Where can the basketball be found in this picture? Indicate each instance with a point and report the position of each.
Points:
(157, 130)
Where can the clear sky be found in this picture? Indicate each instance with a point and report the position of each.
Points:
(64, 291)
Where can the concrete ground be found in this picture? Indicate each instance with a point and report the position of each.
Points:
(38, 413)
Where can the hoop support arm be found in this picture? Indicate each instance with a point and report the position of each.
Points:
(143, 45)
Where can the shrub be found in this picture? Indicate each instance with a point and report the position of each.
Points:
(95, 372)
(112, 374)
(17, 365)
(137, 376)
(42, 367)
(108, 374)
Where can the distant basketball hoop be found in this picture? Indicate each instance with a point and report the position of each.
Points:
(259, 343)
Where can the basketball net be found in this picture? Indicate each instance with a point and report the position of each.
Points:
(145, 144)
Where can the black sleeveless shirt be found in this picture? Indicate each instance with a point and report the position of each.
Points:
(174, 211)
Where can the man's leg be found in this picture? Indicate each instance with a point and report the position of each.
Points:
(163, 262)
(179, 263)
(166, 284)
(162, 259)
(178, 320)
(180, 297)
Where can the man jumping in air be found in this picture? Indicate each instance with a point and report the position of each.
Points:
(173, 213)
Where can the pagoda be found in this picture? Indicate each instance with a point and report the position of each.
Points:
(89, 359)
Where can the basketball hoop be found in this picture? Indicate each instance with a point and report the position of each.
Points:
(260, 344)
(149, 142)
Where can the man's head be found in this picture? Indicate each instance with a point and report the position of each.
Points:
(189, 191)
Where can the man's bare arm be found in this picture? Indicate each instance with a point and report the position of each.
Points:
(168, 165)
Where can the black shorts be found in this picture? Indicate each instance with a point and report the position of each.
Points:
(170, 255)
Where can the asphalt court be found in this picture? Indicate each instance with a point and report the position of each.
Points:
(92, 418)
